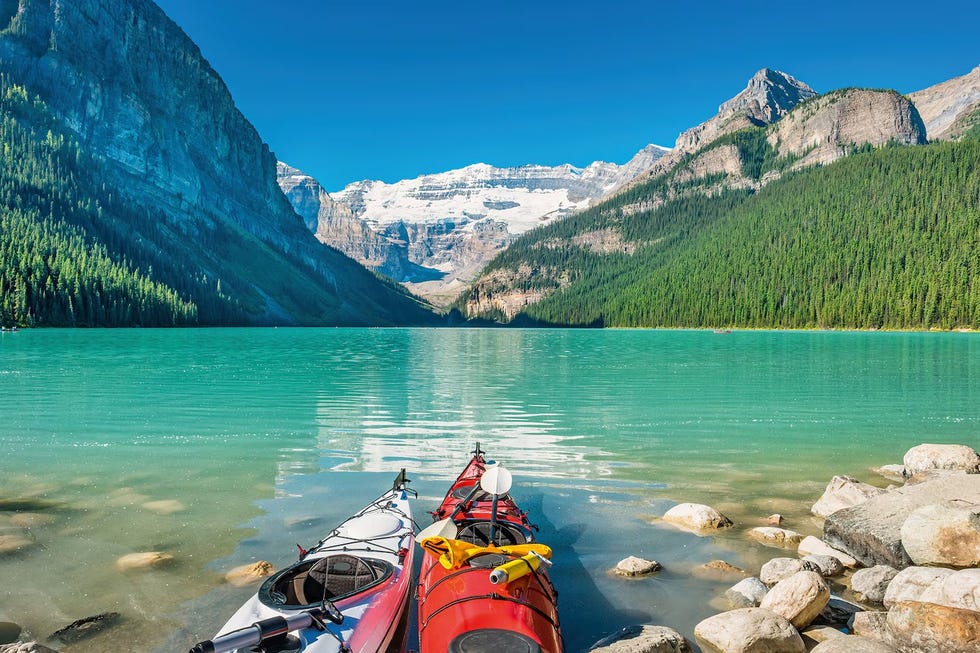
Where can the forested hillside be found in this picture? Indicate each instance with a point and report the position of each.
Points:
(884, 238)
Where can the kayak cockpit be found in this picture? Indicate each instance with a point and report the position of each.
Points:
(504, 533)
(332, 577)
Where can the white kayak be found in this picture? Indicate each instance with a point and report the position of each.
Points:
(347, 594)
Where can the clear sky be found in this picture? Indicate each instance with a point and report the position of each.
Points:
(392, 89)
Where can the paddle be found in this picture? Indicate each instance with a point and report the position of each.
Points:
(496, 481)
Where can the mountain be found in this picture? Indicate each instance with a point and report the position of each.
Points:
(186, 189)
(585, 270)
(434, 233)
(950, 108)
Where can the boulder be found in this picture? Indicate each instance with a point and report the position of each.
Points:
(748, 630)
(843, 492)
(747, 593)
(943, 534)
(960, 589)
(815, 546)
(772, 536)
(800, 598)
(643, 639)
(852, 644)
(826, 566)
(839, 613)
(779, 569)
(894, 473)
(911, 582)
(248, 574)
(25, 647)
(633, 566)
(696, 517)
(915, 627)
(870, 584)
(143, 560)
(871, 532)
(813, 635)
(929, 457)
(870, 624)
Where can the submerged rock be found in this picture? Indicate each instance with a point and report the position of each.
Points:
(643, 639)
(774, 519)
(143, 560)
(633, 566)
(749, 630)
(11, 542)
(800, 598)
(696, 517)
(943, 534)
(9, 632)
(843, 492)
(164, 506)
(915, 627)
(870, 584)
(718, 570)
(779, 537)
(248, 574)
(931, 457)
(84, 628)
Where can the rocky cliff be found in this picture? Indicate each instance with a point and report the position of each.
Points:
(141, 98)
(436, 232)
(950, 108)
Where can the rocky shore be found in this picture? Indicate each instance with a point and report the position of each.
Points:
(897, 570)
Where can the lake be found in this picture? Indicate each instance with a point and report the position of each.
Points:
(225, 446)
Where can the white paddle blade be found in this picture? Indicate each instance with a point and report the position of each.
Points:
(442, 528)
(496, 480)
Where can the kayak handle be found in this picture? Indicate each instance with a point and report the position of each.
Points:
(260, 631)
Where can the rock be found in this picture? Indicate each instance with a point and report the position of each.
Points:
(960, 589)
(800, 598)
(839, 613)
(717, 570)
(643, 639)
(143, 560)
(871, 532)
(894, 473)
(12, 542)
(826, 566)
(943, 534)
(84, 628)
(870, 584)
(946, 108)
(31, 519)
(813, 546)
(748, 630)
(843, 492)
(696, 517)
(870, 624)
(779, 537)
(164, 507)
(248, 574)
(9, 632)
(747, 593)
(928, 457)
(911, 582)
(813, 635)
(26, 647)
(633, 566)
(774, 519)
(915, 627)
(853, 644)
(779, 569)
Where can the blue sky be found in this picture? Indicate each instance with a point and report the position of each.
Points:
(364, 89)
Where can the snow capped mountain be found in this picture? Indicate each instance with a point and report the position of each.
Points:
(435, 233)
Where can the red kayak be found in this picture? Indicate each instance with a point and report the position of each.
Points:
(484, 585)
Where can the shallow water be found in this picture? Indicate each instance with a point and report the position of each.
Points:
(225, 446)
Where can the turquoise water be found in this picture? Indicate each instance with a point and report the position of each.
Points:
(224, 446)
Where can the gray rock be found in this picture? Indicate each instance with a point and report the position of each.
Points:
(915, 627)
(929, 457)
(943, 534)
(872, 582)
(815, 546)
(853, 644)
(779, 569)
(870, 624)
(747, 593)
(827, 566)
(800, 598)
(871, 532)
(643, 639)
(839, 613)
(85, 628)
(843, 492)
(911, 582)
(633, 566)
(749, 630)
(9, 632)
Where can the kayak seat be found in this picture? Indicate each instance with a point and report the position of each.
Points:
(479, 533)
(335, 575)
